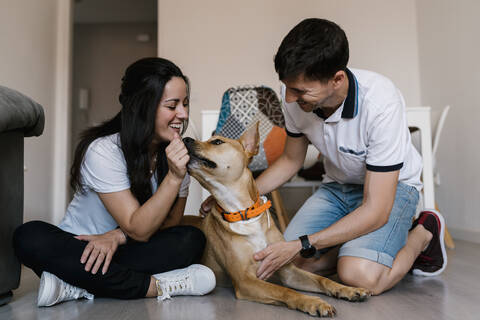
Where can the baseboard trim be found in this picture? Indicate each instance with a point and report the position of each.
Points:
(466, 235)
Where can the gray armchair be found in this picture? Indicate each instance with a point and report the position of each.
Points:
(19, 117)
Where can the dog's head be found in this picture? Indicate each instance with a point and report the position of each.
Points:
(220, 161)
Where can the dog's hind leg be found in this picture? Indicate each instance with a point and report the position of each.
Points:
(254, 289)
(296, 278)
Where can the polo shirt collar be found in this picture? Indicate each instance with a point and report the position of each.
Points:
(350, 105)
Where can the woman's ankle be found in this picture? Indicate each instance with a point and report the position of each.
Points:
(152, 288)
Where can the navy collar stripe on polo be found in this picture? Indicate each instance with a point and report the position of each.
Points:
(350, 107)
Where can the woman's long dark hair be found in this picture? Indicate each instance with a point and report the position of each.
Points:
(141, 91)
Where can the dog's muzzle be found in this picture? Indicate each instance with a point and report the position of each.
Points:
(194, 156)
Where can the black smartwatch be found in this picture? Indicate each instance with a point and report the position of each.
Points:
(307, 250)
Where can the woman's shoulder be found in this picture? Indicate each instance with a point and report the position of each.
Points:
(110, 142)
(104, 167)
(107, 147)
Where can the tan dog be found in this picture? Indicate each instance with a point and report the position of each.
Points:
(220, 165)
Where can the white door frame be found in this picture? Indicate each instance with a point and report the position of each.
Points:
(62, 108)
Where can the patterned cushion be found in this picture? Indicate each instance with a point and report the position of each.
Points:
(241, 108)
(232, 128)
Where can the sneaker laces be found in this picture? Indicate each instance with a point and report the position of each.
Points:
(178, 285)
(72, 292)
(69, 291)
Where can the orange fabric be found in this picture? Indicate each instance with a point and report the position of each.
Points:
(246, 214)
(274, 144)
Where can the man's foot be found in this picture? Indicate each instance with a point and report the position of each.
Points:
(194, 280)
(52, 290)
(433, 260)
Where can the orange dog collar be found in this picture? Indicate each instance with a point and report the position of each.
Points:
(246, 214)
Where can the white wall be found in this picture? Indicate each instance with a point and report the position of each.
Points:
(219, 43)
(27, 64)
(450, 73)
(102, 52)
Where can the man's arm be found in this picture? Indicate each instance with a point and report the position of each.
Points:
(379, 196)
(285, 166)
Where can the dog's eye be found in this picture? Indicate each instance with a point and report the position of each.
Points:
(216, 142)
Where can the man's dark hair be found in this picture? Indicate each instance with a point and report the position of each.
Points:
(316, 48)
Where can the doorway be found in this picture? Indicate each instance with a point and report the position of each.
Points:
(108, 35)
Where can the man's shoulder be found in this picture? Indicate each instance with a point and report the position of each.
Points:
(372, 80)
(376, 90)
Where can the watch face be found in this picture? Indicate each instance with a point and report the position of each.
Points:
(308, 252)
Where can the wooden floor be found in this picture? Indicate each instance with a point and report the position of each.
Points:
(453, 295)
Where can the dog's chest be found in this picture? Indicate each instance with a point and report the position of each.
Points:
(252, 231)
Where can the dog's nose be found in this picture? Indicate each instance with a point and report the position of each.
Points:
(188, 140)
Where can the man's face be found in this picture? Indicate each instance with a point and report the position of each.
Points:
(309, 94)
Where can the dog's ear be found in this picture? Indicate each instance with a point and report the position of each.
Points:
(250, 140)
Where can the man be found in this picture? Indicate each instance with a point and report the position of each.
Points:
(359, 219)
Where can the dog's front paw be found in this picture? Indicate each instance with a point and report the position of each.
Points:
(316, 307)
(352, 294)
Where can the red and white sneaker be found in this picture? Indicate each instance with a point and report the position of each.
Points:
(433, 260)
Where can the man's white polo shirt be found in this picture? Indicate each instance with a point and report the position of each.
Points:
(368, 132)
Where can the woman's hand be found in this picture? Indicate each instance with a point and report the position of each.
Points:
(274, 256)
(177, 157)
(100, 249)
(207, 206)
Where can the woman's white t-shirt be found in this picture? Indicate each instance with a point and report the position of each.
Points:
(103, 170)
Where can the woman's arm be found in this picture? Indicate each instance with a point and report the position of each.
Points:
(141, 222)
(176, 213)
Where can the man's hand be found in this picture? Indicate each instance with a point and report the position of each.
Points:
(100, 249)
(275, 256)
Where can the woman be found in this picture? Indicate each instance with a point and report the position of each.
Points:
(130, 183)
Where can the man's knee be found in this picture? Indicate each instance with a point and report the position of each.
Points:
(290, 233)
(358, 272)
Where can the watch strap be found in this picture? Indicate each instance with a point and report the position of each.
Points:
(305, 242)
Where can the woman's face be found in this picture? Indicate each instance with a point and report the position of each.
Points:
(172, 110)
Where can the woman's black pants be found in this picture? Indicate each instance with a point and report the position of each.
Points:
(45, 247)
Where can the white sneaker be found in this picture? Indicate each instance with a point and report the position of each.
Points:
(195, 280)
(54, 290)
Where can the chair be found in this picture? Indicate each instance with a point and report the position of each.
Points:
(437, 129)
(438, 123)
(19, 117)
(242, 107)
